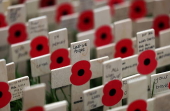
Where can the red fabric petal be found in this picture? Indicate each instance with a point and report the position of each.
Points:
(124, 48)
(86, 21)
(103, 36)
(47, 3)
(161, 23)
(5, 94)
(81, 73)
(137, 9)
(112, 93)
(139, 105)
(62, 10)
(59, 58)
(2, 21)
(39, 46)
(37, 108)
(17, 33)
(169, 85)
(147, 62)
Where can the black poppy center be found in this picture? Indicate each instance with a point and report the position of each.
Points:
(59, 60)
(86, 20)
(65, 12)
(123, 50)
(147, 61)
(161, 25)
(137, 109)
(39, 47)
(81, 72)
(50, 3)
(137, 9)
(112, 92)
(103, 36)
(1, 94)
(17, 33)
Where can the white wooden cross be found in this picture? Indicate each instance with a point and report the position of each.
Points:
(112, 70)
(36, 96)
(11, 90)
(61, 77)
(161, 102)
(33, 97)
(164, 38)
(58, 106)
(119, 48)
(32, 7)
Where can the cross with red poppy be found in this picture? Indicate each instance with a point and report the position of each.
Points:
(36, 96)
(147, 62)
(124, 45)
(161, 17)
(16, 19)
(137, 97)
(102, 34)
(79, 73)
(9, 89)
(58, 57)
(110, 94)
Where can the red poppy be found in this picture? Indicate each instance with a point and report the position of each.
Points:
(86, 21)
(103, 36)
(47, 3)
(138, 105)
(81, 73)
(161, 23)
(37, 108)
(137, 9)
(112, 93)
(2, 21)
(124, 48)
(39, 46)
(62, 10)
(59, 58)
(5, 95)
(17, 33)
(147, 62)
(111, 3)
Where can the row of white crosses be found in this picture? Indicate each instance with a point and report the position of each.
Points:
(11, 88)
(146, 41)
(34, 100)
(61, 76)
(125, 26)
(158, 103)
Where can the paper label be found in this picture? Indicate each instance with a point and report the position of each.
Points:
(16, 87)
(146, 40)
